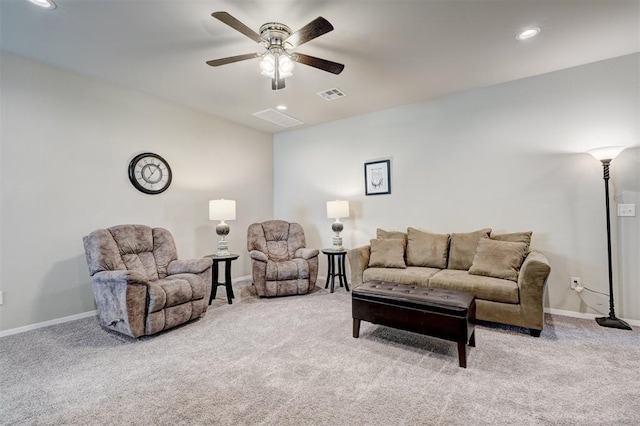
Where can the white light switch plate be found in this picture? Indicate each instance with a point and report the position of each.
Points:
(626, 209)
(0, 298)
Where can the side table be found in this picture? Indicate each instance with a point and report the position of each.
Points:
(336, 256)
(227, 275)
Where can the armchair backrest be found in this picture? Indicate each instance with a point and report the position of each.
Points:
(139, 248)
(278, 239)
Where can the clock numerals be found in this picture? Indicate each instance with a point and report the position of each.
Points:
(150, 173)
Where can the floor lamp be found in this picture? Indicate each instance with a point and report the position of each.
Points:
(606, 155)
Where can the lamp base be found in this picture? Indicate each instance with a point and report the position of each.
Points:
(337, 244)
(613, 322)
(223, 248)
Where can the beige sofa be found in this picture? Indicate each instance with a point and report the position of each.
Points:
(508, 279)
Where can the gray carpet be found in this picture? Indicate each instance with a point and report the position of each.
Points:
(293, 361)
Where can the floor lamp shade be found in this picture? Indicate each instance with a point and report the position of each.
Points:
(222, 210)
(606, 155)
(336, 210)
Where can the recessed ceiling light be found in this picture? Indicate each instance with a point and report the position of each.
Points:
(47, 4)
(281, 107)
(528, 33)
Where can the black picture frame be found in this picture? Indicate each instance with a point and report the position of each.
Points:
(377, 177)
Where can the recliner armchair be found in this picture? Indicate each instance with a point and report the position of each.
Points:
(140, 286)
(282, 265)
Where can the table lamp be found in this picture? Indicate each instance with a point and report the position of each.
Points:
(222, 210)
(337, 209)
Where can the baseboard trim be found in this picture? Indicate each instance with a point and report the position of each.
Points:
(72, 317)
(584, 315)
(243, 278)
(246, 277)
(47, 323)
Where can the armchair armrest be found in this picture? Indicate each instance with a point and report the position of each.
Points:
(306, 253)
(258, 255)
(358, 262)
(532, 282)
(121, 297)
(188, 266)
(119, 277)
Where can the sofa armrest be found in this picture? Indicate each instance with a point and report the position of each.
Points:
(306, 253)
(532, 283)
(258, 255)
(358, 262)
(188, 266)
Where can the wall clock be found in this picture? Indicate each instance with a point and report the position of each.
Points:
(150, 173)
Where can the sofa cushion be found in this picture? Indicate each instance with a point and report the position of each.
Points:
(412, 275)
(486, 288)
(427, 249)
(387, 253)
(498, 259)
(381, 234)
(463, 248)
(514, 237)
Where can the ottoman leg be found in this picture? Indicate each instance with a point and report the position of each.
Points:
(356, 328)
(462, 354)
(472, 339)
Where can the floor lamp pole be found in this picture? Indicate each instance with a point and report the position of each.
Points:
(611, 321)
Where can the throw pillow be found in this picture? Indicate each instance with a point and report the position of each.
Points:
(463, 248)
(426, 249)
(381, 234)
(514, 237)
(387, 253)
(498, 259)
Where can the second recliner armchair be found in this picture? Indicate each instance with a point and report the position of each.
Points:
(281, 263)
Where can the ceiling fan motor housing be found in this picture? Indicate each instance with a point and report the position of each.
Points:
(275, 33)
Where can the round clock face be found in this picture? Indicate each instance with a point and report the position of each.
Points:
(150, 173)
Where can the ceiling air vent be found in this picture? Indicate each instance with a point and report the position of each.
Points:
(277, 118)
(332, 94)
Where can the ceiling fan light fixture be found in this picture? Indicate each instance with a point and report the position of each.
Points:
(268, 65)
(285, 66)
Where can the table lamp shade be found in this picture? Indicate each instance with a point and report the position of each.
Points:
(337, 209)
(222, 210)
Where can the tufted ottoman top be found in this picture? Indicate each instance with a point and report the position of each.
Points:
(411, 296)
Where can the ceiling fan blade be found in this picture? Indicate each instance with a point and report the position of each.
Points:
(322, 64)
(237, 25)
(232, 59)
(277, 84)
(313, 29)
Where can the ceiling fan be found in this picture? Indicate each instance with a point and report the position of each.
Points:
(278, 40)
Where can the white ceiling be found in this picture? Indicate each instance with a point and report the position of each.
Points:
(395, 52)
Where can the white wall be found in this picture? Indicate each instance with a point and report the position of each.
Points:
(510, 157)
(66, 142)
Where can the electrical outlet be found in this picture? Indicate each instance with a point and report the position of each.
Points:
(626, 210)
(575, 282)
(1, 301)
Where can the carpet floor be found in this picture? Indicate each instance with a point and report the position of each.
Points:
(293, 361)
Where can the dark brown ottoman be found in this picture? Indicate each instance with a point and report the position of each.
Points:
(445, 314)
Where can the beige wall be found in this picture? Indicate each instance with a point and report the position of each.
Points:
(510, 157)
(66, 142)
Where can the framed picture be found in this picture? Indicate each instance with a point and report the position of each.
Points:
(377, 177)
